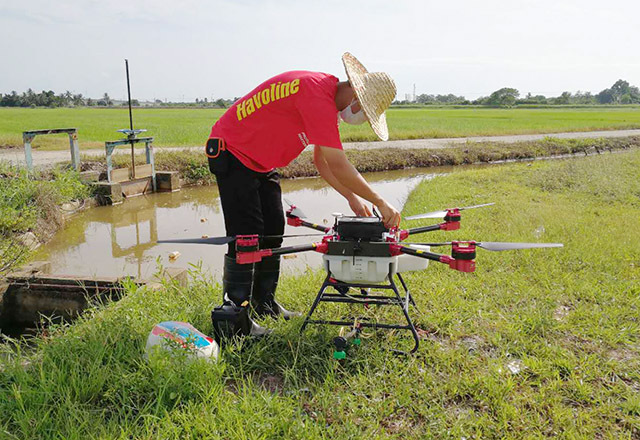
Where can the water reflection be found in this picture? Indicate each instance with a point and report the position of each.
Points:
(121, 240)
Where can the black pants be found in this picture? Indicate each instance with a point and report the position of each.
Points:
(251, 203)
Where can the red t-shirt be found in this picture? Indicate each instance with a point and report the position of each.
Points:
(272, 124)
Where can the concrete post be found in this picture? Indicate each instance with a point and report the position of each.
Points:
(150, 160)
(75, 150)
(109, 151)
(27, 139)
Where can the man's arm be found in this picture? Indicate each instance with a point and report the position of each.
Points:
(336, 169)
(355, 203)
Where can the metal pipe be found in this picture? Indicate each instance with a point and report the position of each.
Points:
(133, 162)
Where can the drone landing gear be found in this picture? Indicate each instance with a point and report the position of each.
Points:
(363, 298)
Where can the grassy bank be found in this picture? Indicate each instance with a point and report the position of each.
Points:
(30, 204)
(193, 167)
(191, 127)
(540, 343)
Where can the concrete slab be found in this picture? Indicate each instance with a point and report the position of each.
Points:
(108, 193)
(120, 175)
(144, 170)
(89, 176)
(137, 187)
(57, 297)
(167, 181)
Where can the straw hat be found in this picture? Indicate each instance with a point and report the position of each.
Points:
(375, 91)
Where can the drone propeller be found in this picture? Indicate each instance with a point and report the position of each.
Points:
(208, 240)
(227, 240)
(497, 245)
(295, 211)
(442, 213)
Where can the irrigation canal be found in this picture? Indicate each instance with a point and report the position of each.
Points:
(115, 241)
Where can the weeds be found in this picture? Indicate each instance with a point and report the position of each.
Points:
(30, 202)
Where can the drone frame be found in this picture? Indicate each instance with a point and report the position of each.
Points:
(463, 254)
(366, 299)
(248, 251)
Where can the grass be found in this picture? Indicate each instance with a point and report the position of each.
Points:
(534, 344)
(191, 127)
(30, 203)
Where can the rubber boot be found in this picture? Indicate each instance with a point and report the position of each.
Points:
(236, 287)
(265, 282)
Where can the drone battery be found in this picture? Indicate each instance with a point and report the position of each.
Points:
(230, 320)
(360, 228)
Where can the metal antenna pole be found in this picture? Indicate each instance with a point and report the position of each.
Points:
(133, 162)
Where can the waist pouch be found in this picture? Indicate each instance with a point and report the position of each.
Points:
(217, 155)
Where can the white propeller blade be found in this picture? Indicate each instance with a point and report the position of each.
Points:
(502, 246)
(442, 213)
(295, 211)
(495, 245)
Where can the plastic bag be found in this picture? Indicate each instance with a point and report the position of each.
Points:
(181, 336)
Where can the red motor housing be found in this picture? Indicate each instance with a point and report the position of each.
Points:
(247, 249)
(451, 220)
(294, 221)
(463, 254)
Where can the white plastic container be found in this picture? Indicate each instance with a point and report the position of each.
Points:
(360, 269)
(373, 269)
(176, 335)
(408, 263)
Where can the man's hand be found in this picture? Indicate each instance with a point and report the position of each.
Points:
(390, 215)
(358, 207)
(335, 168)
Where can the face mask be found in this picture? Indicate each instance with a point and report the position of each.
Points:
(352, 118)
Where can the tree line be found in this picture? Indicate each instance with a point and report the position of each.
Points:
(621, 92)
(69, 99)
(50, 99)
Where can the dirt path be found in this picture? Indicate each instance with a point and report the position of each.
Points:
(16, 155)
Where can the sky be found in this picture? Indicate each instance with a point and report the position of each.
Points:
(180, 50)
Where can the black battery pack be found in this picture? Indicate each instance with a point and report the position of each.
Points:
(230, 320)
(360, 228)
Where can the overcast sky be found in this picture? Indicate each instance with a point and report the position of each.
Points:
(183, 49)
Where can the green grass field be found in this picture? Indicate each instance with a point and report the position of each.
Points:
(534, 344)
(190, 127)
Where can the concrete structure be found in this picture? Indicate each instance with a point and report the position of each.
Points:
(34, 297)
(167, 181)
(28, 136)
(136, 172)
(108, 193)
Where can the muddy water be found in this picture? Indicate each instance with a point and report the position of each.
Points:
(121, 240)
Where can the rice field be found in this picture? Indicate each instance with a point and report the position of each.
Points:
(189, 127)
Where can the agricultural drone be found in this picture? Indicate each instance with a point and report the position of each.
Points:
(361, 254)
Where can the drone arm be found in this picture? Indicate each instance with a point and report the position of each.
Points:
(293, 220)
(319, 247)
(463, 259)
(416, 253)
(451, 223)
(405, 233)
(255, 256)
